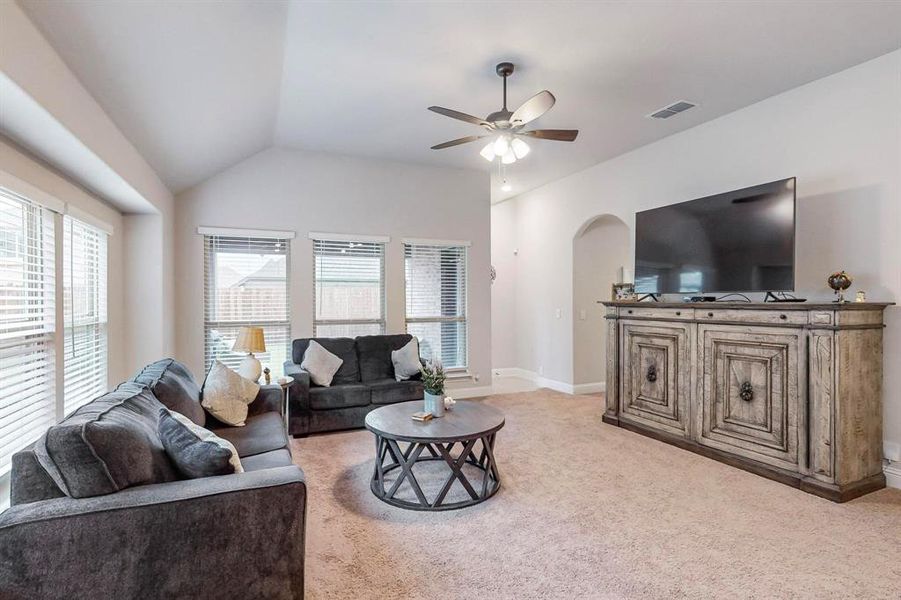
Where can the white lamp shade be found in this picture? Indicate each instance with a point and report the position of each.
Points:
(488, 152)
(250, 339)
(509, 157)
(520, 148)
(501, 145)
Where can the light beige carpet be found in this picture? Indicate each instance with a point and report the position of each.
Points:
(588, 510)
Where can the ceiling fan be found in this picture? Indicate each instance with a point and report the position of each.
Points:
(507, 127)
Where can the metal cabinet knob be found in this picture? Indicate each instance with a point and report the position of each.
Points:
(651, 375)
(629, 311)
(709, 314)
(746, 391)
(678, 313)
(783, 317)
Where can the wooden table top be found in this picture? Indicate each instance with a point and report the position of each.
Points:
(466, 420)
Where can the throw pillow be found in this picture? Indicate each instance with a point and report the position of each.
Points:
(107, 445)
(406, 360)
(196, 452)
(320, 364)
(226, 394)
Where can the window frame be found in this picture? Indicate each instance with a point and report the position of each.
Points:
(212, 238)
(98, 379)
(443, 244)
(382, 243)
(53, 215)
(42, 227)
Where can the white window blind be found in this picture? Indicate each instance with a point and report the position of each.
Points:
(348, 288)
(27, 324)
(246, 285)
(436, 301)
(85, 308)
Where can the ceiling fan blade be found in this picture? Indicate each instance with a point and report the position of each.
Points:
(455, 114)
(458, 141)
(559, 135)
(533, 108)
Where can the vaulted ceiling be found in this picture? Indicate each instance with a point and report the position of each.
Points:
(199, 86)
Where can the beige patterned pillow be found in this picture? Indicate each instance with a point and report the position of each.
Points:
(226, 394)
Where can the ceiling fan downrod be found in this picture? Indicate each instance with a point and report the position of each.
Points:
(504, 69)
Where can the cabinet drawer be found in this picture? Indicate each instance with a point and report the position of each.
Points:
(656, 380)
(750, 403)
(770, 317)
(672, 314)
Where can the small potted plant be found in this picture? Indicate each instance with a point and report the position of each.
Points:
(433, 380)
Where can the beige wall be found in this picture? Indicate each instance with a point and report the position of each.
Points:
(299, 191)
(840, 136)
(55, 117)
(598, 253)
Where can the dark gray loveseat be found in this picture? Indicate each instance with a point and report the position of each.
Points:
(364, 382)
(134, 528)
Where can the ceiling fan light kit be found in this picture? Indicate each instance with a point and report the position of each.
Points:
(505, 127)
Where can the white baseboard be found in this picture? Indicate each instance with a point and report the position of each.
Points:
(468, 392)
(893, 474)
(541, 381)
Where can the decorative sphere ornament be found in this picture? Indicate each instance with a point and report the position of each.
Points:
(839, 282)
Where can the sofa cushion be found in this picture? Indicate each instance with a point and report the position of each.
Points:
(173, 385)
(374, 354)
(107, 445)
(261, 433)
(29, 481)
(342, 396)
(343, 348)
(389, 391)
(268, 460)
(195, 451)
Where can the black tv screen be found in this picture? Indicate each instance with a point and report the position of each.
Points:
(741, 241)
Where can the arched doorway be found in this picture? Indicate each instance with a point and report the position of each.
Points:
(600, 248)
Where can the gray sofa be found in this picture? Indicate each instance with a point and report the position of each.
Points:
(364, 382)
(130, 527)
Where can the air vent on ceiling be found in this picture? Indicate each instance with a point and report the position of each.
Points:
(673, 109)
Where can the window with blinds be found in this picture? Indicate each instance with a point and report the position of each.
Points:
(84, 307)
(436, 301)
(246, 285)
(27, 324)
(348, 288)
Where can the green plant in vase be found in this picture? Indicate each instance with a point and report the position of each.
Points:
(433, 378)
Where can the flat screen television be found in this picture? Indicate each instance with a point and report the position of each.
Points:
(740, 241)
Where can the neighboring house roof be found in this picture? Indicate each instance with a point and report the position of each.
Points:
(272, 270)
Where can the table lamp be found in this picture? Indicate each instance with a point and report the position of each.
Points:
(250, 340)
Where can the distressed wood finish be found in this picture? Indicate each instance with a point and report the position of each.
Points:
(749, 395)
(611, 412)
(656, 385)
(792, 392)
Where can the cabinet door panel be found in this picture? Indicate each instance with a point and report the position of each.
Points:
(749, 392)
(656, 380)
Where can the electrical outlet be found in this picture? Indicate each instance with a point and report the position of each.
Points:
(892, 451)
(541, 369)
(558, 313)
(583, 314)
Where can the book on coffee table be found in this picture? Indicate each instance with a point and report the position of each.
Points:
(421, 416)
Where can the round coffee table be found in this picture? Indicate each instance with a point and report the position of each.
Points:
(471, 425)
